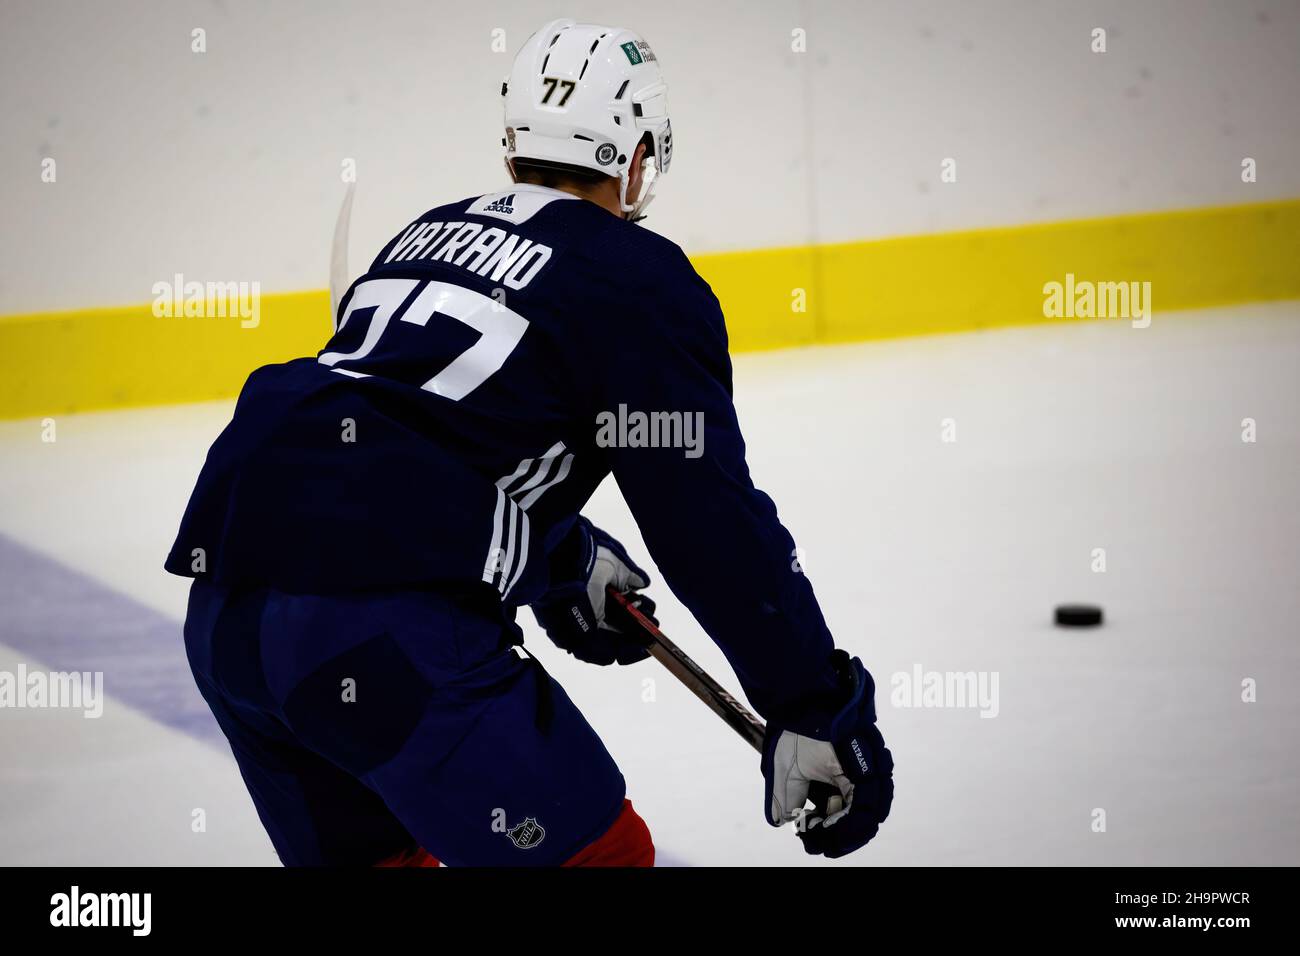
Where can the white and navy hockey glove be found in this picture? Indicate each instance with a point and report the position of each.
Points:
(572, 611)
(849, 775)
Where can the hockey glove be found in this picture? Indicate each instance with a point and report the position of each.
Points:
(849, 775)
(572, 612)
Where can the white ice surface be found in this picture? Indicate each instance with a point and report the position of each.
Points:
(947, 555)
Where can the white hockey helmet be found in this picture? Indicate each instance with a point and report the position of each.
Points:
(584, 95)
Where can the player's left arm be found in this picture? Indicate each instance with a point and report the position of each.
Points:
(724, 552)
(716, 538)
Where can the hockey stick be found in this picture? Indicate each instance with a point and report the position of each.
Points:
(339, 253)
(699, 683)
(742, 720)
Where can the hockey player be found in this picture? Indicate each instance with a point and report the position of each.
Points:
(365, 528)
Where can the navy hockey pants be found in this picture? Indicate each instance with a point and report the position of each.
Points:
(365, 726)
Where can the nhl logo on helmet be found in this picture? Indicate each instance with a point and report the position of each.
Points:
(605, 153)
(527, 835)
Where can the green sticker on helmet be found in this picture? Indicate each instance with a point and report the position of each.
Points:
(633, 54)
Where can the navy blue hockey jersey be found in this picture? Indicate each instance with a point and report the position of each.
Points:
(500, 357)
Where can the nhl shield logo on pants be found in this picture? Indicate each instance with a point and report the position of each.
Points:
(527, 835)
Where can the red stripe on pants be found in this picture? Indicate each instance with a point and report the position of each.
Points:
(626, 843)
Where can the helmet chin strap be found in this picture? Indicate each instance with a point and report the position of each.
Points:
(636, 211)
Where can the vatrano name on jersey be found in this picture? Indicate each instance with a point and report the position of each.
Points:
(488, 251)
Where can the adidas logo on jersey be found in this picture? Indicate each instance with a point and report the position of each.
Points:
(505, 205)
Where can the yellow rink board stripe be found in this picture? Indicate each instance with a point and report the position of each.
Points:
(986, 278)
(54, 363)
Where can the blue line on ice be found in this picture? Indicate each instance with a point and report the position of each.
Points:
(69, 622)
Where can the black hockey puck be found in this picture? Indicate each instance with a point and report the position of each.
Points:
(1078, 615)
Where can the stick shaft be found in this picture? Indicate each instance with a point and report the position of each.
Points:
(739, 717)
(339, 253)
